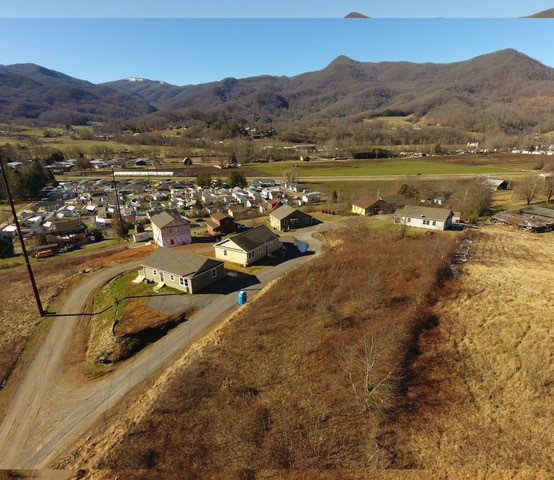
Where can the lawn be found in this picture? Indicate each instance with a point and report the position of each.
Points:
(377, 168)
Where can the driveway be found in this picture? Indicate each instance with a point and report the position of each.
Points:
(50, 411)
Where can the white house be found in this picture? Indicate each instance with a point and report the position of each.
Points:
(424, 217)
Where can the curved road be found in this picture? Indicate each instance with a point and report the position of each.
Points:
(50, 412)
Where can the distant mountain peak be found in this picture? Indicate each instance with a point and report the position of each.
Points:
(134, 79)
(343, 60)
(356, 15)
(544, 14)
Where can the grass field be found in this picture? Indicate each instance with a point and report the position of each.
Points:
(368, 167)
(485, 376)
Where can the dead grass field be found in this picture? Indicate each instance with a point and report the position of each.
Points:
(484, 381)
(303, 378)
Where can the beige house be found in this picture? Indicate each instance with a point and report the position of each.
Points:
(181, 270)
(424, 217)
(248, 247)
(286, 218)
(170, 229)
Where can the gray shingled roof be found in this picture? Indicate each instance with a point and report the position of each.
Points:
(179, 262)
(165, 218)
(254, 238)
(366, 201)
(541, 211)
(429, 213)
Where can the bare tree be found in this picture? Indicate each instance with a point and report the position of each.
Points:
(371, 375)
(548, 187)
(291, 175)
(527, 189)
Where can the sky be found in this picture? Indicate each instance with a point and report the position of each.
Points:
(265, 9)
(191, 51)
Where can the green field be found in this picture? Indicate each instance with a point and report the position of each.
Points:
(369, 168)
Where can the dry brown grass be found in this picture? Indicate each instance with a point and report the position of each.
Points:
(276, 390)
(18, 311)
(483, 395)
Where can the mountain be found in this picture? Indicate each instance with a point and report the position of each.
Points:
(504, 90)
(356, 15)
(29, 92)
(544, 14)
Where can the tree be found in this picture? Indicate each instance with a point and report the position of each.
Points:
(437, 150)
(120, 227)
(203, 180)
(335, 196)
(236, 179)
(527, 189)
(474, 198)
(291, 175)
(548, 188)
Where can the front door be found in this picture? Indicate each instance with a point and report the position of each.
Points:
(161, 276)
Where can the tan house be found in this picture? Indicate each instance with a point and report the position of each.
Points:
(287, 217)
(181, 270)
(248, 247)
(370, 205)
(170, 229)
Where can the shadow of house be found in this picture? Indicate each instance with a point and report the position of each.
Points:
(6, 247)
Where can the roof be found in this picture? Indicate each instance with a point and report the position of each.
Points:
(366, 201)
(254, 238)
(429, 213)
(164, 218)
(284, 211)
(493, 182)
(540, 211)
(220, 216)
(179, 262)
(394, 199)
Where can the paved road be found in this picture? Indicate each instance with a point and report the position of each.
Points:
(50, 411)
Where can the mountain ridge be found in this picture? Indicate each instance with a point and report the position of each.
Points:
(505, 83)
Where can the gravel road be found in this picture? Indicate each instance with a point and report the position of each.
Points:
(51, 411)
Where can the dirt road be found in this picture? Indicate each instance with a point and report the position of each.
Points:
(51, 411)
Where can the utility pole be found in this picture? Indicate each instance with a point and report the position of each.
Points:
(21, 240)
(117, 202)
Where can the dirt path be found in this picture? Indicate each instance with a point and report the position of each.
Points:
(51, 411)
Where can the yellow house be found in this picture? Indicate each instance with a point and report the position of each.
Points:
(248, 247)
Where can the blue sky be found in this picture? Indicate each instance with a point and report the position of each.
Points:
(265, 9)
(190, 51)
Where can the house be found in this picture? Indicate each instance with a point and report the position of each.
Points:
(220, 224)
(170, 229)
(495, 184)
(184, 271)
(424, 217)
(395, 201)
(287, 217)
(370, 205)
(248, 247)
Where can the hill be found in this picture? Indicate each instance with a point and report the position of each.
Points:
(544, 14)
(30, 92)
(504, 91)
(356, 15)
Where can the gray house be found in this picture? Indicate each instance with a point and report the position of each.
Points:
(181, 270)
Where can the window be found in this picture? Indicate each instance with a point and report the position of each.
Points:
(172, 277)
(225, 252)
(260, 250)
(434, 222)
(181, 281)
(155, 273)
(307, 219)
(214, 272)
